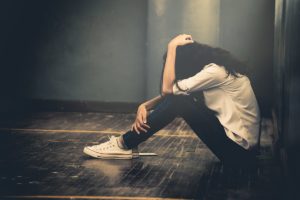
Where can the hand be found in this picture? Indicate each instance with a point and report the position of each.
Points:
(181, 40)
(140, 120)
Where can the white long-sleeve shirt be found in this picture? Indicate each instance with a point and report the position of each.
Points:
(231, 98)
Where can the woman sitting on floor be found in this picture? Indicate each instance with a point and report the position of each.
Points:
(209, 89)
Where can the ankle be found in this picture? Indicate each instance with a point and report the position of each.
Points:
(121, 143)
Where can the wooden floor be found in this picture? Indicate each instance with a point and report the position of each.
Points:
(41, 158)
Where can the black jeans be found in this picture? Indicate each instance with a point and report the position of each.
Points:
(202, 121)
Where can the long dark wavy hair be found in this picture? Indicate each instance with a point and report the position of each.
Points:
(191, 58)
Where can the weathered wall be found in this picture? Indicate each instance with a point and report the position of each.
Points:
(101, 50)
(287, 90)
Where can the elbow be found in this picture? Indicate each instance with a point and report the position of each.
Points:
(166, 91)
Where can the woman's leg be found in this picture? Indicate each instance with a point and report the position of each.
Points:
(201, 120)
(162, 114)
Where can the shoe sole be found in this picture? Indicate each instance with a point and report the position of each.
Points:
(94, 154)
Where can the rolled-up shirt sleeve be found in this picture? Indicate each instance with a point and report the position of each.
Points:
(210, 76)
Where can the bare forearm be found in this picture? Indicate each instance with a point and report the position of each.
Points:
(152, 102)
(169, 70)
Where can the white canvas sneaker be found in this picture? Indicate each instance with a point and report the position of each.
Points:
(109, 150)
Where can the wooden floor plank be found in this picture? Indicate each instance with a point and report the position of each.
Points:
(41, 157)
(90, 197)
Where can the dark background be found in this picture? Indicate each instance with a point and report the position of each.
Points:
(111, 51)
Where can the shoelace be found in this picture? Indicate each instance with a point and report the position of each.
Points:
(99, 146)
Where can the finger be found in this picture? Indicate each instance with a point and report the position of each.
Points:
(138, 127)
(189, 40)
(188, 37)
(133, 127)
(140, 120)
(141, 128)
(136, 130)
(144, 118)
(146, 126)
